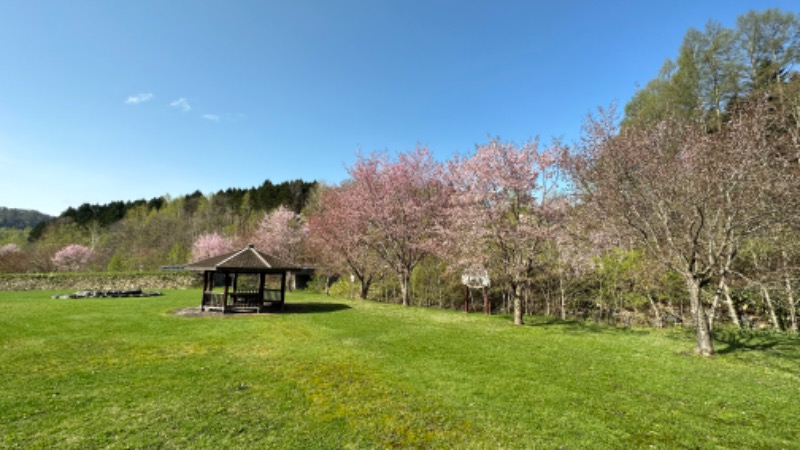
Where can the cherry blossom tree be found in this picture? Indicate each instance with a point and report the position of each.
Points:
(690, 197)
(9, 249)
(210, 244)
(281, 233)
(73, 257)
(339, 239)
(400, 203)
(501, 211)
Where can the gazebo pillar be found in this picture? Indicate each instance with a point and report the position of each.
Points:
(283, 288)
(208, 286)
(225, 294)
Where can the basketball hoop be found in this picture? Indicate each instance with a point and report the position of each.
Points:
(477, 278)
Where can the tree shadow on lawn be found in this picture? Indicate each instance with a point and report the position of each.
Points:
(779, 351)
(741, 341)
(582, 326)
(288, 308)
(312, 308)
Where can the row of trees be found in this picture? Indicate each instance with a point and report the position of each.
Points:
(714, 199)
(701, 205)
(684, 211)
(627, 221)
(695, 197)
(492, 209)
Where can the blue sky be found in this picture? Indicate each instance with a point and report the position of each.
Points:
(120, 100)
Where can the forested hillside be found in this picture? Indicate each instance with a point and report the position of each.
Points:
(143, 234)
(268, 196)
(21, 218)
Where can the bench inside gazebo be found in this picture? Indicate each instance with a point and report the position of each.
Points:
(249, 280)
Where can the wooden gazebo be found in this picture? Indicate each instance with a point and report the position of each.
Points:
(249, 280)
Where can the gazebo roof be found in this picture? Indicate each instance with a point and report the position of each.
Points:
(247, 259)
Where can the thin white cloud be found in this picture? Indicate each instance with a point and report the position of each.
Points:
(226, 118)
(139, 98)
(181, 104)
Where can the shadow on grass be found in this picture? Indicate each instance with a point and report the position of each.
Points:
(288, 308)
(312, 308)
(744, 341)
(581, 326)
(778, 351)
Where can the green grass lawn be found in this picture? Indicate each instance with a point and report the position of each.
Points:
(333, 373)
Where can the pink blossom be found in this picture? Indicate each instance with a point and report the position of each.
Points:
(400, 203)
(73, 257)
(281, 233)
(339, 239)
(209, 245)
(501, 210)
(9, 248)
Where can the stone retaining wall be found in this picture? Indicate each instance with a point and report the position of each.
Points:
(99, 281)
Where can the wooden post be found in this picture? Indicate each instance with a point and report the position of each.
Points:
(283, 288)
(225, 296)
(262, 279)
(205, 289)
(235, 282)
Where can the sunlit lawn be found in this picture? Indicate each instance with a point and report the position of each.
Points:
(335, 373)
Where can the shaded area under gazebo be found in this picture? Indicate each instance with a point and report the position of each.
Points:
(250, 280)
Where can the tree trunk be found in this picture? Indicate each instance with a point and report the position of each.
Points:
(364, 290)
(790, 303)
(787, 284)
(656, 312)
(405, 287)
(518, 305)
(705, 346)
(712, 312)
(723, 291)
(723, 288)
(770, 308)
(532, 307)
(291, 282)
(562, 297)
(731, 307)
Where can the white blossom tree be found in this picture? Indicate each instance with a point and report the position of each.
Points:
(501, 211)
(211, 244)
(73, 257)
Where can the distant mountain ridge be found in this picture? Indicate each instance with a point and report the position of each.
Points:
(21, 218)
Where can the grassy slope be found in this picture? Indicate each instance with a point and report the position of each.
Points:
(341, 374)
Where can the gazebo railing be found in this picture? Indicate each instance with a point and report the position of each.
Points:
(272, 295)
(252, 298)
(213, 300)
(245, 298)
